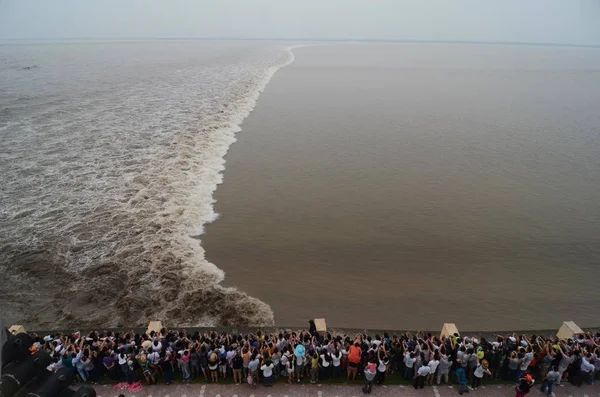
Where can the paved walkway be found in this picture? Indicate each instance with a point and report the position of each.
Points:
(308, 390)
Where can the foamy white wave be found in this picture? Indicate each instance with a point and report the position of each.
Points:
(109, 178)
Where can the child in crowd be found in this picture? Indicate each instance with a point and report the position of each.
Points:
(314, 368)
(370, 373)
(213, 367)
(478, 374)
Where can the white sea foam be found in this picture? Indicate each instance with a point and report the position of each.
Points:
(109, 175)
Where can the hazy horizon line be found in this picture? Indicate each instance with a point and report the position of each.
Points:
(550, 44)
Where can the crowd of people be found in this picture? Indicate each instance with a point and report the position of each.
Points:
(310, 356)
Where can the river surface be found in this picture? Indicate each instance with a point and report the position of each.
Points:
(407, 185)
(110, 153)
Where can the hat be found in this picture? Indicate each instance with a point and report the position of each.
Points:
(213, 357)
(484, 363)
(529, 378)
(300, 351)
(512, 339)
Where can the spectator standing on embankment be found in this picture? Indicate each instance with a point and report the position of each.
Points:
(169, 356)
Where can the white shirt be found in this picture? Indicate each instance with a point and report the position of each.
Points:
(253, 364)
(77, 360)
(276, 358)
(54, 366)
(230, 355)
(122, 360)
(381, 367)
(324, 363)
(526, 361)
(424, 371)
(157, 348)
(586, 366)
(267, 370)
(433, 364)
(479, 371)
(153, 358)
(408, 361)
(337, 360)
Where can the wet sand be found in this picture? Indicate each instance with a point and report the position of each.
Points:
(403, 186)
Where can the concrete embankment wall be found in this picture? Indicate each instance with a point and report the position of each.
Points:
(339, 331)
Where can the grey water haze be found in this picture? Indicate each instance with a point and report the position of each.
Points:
(547, 21)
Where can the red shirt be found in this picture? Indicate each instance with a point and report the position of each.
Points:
(354, 354)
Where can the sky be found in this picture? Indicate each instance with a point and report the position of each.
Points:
(533, 21)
